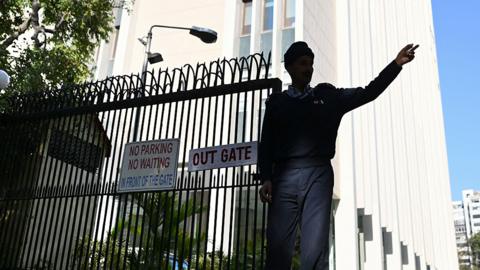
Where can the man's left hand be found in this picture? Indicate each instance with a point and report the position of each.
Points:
(406, 55)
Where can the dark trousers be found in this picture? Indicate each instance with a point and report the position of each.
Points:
(300, 196)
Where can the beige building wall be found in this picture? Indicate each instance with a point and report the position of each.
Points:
(125, 53)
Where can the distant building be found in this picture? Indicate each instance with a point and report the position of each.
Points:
(471, 209)
(466, 215)
(464, 257)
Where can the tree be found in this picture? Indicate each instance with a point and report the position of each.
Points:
(47, 43)
(474, 243)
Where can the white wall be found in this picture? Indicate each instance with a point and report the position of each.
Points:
(397, 142)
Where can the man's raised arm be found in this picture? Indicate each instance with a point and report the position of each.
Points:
(351, 98)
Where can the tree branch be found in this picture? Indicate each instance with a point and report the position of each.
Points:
(36, 22)
(57, 25)
(60, 21)
(19, 30)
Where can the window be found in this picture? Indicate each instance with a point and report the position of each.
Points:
(267, 27)
(417, 262)
(247, 19)
(476, 216)
(289, 13)
(404, 253)
(245, 31)
(288, 24)
(72, 150)
(267, 15)
(113, 50)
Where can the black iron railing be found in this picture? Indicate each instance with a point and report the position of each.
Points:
(61, 158)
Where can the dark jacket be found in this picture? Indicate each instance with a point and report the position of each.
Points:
(302, 132)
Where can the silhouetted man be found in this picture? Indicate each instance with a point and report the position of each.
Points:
(297, 143)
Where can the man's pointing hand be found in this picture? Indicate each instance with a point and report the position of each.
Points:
(406, 55)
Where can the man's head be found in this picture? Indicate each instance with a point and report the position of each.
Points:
(299, 62)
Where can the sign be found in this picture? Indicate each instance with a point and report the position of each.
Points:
(223, 156)
(149, 165)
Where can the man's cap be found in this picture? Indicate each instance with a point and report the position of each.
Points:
(295, 51)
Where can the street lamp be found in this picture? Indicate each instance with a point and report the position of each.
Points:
(204, 34)
(4, 79)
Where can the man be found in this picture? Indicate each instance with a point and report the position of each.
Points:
(296, 146)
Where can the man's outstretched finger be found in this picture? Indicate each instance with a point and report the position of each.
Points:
(414, 48)
(406, 48)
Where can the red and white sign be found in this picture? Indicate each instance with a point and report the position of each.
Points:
(230, 155)
(149, 165)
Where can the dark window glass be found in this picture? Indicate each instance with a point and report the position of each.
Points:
(74, 151)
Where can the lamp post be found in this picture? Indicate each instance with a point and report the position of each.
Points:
(4, 79)
(205, 34)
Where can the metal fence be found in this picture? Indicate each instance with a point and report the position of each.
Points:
(60, 161)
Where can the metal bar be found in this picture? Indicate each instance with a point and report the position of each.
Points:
(247, 173)
(182, 182)
(210, 171)
(147, 258)
(62, 167)
(259, 106)
(199, 177)
(90, 214)
(98, 206)
(221, 137)
(8, 238)
(72, 186)
(112, 180)
(105, 186)
(145, 203)
(233, 180)
(124, 214)
(173, 195)
(44, 183)
(185, 139)
(82, 207)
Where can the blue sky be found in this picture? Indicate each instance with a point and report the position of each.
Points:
(457, 31)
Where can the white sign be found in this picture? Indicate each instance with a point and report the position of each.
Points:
(222, 156)
(149, 165)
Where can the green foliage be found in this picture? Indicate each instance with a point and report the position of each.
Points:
(474, 243)
(47, 43)
(157, 231)
(157, 228)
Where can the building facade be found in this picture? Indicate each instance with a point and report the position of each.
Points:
(471, 208)
(392, 207)
(464, 257)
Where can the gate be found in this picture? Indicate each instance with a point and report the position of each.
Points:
(61, 160)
